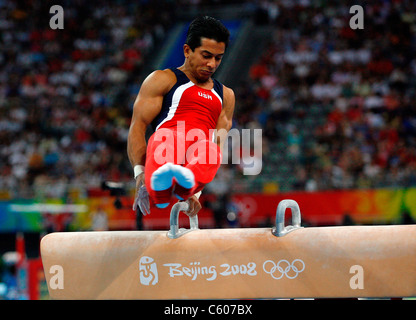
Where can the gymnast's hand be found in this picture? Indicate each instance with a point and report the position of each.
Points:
(194, 206)
(141, 199)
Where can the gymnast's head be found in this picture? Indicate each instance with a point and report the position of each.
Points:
(206, 27)
(206, 42)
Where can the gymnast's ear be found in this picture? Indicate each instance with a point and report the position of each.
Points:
(187, 50)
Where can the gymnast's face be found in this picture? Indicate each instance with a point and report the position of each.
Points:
(205, 59)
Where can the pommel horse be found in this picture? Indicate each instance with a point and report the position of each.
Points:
(238, 263)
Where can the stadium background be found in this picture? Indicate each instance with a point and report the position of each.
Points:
(336, 107)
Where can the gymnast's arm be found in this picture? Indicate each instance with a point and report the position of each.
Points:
(225, 120)
(146, 107)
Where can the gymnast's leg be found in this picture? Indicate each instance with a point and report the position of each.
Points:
(203, 159)
(163, 172)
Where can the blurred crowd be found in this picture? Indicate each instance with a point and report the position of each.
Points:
(66, 95)
(336, 105)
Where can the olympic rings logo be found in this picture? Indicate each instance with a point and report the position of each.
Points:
(284, 268)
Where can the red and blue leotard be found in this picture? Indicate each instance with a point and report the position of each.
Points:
(183, 135)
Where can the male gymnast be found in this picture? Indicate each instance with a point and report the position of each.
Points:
(184, 106)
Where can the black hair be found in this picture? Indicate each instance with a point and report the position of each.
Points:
(206, 27)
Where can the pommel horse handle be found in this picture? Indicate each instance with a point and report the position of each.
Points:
(174, 231)
(280, 229)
